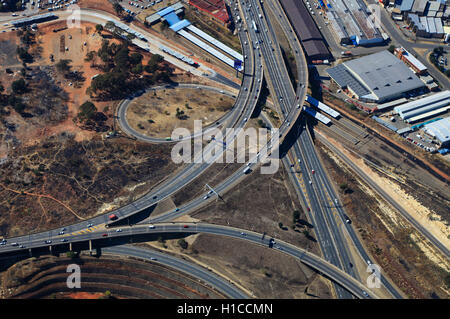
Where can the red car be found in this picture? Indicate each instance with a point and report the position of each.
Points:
(185, 226)
(105, 235)
(308, 209)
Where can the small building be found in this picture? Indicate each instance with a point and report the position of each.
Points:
(440, 130)
(410, 60)
(424, 108)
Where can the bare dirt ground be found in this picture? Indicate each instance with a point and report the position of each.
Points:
(260, 272)
(432, 162)
(103, 5)
(45, 277)
(61, 180)
(420, 193)
(154, 114)
(412, 265)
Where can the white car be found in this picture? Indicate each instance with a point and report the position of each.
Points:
(151, 226)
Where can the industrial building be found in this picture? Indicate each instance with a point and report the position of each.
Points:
(204, 41)
(426, 27)
(307, 31)
(352, 23)
(378, 77)
(439, 130)
(34, 19)
(215, 8)
(424, 108)
(410, 60)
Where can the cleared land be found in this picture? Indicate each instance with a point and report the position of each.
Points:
(45, 277)
(155, 113)
(414, 266)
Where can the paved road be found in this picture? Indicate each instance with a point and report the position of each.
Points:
(272, 63)
(320, 191)
(282, 91)
(390, 27)
(324, 267)
(387, 197)
(125, 126)
(189, 268)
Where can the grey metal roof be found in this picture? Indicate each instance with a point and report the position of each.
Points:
(33, 18)
(419, 6)
(406, 5)
(415, 19)
(343, 78)
(383, 74)
(423, 101)
(440, 129)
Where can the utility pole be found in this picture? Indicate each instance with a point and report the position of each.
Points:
(212, 189)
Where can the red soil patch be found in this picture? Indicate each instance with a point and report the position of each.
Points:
(84, 295)
(103, 5)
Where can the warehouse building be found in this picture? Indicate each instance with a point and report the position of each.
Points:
(424, 108)
(34, 19)
(426, 27)
(410, 60)
(313, 43)
(440, 130)
(379, 77)
(352, 23)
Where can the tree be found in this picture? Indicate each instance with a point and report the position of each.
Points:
(135, 58)
(64, 66)
(19, 86)
(118, 8)
(182, 243)
(295, 215)
(99, 28)
(24, 55)
(87, 111)
(137, 69)
(391, 48)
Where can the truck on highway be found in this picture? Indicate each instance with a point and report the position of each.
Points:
(254, 26)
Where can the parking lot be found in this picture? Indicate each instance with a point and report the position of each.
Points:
(136, 7)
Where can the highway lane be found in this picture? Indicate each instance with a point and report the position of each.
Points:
(324, 186)
(324, 267)
(244, 101)
(182, 265)
(282, 87)
(438, 244)
(281, 84)
(125, 126)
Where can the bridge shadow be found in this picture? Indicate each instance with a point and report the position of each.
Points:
(7, 260)
(135, 218)
(262, 99)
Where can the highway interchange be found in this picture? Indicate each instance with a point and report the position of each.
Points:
(263, 56)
